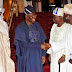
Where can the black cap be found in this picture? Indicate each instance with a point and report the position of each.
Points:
(29, 9)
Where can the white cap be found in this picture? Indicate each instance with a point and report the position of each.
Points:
(68, 9)
(58, 11)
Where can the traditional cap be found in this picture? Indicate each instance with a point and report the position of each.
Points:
(58, 11)
(68, 9)
(29, 9)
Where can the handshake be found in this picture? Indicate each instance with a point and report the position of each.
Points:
(45, 46)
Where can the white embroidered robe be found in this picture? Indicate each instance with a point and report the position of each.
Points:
(68, 47)
(6, 64)
(57, 41)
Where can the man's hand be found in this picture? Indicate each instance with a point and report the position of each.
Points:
(43, 59)
(45, 46)
(70, 61)
(62, 59)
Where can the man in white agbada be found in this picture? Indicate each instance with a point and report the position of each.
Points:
(6, 64)
(68, 43)
(57, 41)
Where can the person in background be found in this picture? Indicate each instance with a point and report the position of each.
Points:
(6, 63)
(30, 43)
(57, 41)
(68, 42)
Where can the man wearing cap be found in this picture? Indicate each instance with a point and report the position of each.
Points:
(30, 43)
(6, 64)
(57, 41)
(68, 42)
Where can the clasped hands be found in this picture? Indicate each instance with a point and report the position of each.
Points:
(45, 46)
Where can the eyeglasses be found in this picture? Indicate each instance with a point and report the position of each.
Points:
(33, 16)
